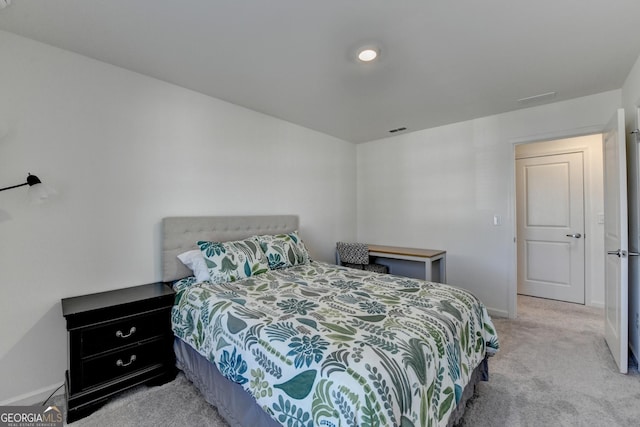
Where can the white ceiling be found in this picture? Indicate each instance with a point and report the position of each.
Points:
(441, 61)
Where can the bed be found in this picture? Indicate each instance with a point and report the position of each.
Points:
(301, 342)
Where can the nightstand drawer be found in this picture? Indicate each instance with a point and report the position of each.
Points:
(124, 332)
(114, 365)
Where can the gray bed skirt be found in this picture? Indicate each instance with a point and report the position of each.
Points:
(234, 404)
(480, 373)
(239, 408)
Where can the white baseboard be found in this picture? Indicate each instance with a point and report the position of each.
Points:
(596, 304)
(493, 312)
(35, 397)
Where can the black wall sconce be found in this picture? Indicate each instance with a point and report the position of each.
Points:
(38, 192)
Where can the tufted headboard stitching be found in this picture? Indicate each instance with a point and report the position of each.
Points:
(180, 234)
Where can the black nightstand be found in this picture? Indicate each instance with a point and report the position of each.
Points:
(117, 340)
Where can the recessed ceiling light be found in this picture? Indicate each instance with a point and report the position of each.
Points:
(367, 55)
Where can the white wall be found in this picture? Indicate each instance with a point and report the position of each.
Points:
(440, 188)
(124, 150)
(631, 102)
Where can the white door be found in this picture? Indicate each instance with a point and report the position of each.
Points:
(616, 241)
(550, 217)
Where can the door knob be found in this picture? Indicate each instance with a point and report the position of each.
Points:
(622, 253)
(576, 236)
(617, 253)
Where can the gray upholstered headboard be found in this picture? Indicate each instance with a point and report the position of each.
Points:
(180, 234)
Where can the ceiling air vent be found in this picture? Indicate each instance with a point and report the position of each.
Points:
(397, 130)
(535, 99)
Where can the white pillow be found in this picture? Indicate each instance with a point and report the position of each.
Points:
(195, 262)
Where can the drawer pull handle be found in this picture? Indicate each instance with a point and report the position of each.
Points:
(132, 359)
(119, 334)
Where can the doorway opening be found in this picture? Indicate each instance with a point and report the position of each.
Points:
(560, 219)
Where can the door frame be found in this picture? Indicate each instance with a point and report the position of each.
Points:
(512, 296)
(633, 178)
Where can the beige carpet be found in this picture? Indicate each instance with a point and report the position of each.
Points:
(554, 369)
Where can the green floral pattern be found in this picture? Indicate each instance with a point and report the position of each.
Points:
(231, 261)
(318, 344)
(284, 250)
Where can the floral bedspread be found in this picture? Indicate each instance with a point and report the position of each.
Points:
(322, 345)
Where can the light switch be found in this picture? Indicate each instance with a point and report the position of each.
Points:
(497, 220)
